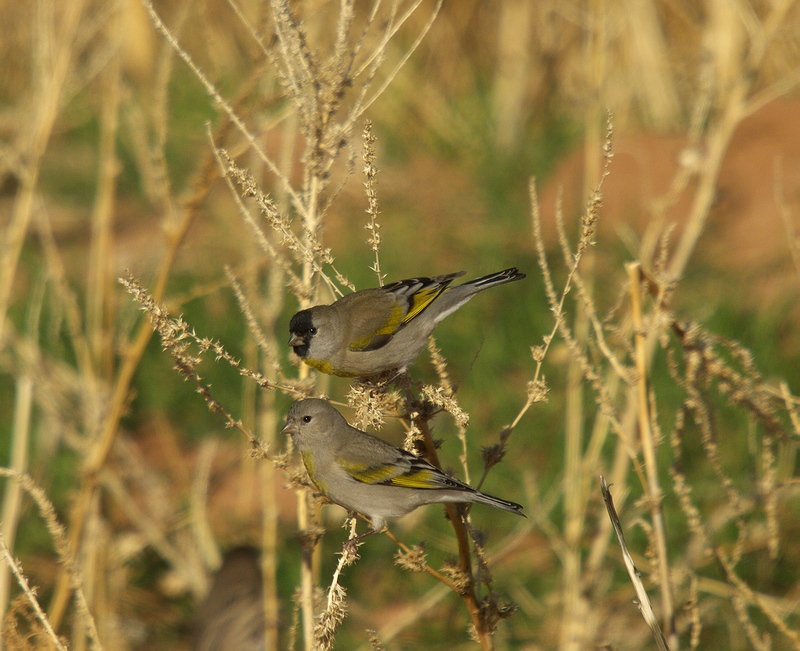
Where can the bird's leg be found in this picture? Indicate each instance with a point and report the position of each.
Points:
(397, 374)
(351, 546)
(403, 380)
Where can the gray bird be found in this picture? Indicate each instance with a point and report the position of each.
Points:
(365, 474)
(382, 329)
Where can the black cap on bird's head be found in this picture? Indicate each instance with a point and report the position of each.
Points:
(301, 329)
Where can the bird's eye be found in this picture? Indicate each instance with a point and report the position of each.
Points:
(306, 419)
(312, 331)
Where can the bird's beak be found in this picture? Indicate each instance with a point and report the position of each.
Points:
(296, 340)
(288, 429)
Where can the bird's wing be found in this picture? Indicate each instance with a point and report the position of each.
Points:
(373, 461)
(390, 308)
(371, 319)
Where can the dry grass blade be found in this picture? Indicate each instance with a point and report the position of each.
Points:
(654, 492)
(30, 593)
(61, 544)
(641, 594)
(103, 165)
(21, 436)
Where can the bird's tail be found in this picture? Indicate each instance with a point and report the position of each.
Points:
(454, 297)
(497, 278)
(511, 507)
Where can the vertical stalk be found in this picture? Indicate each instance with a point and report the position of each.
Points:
(269, 537)
(654, 494)
(55, 55)
(100, 279)
(573, 622)
(305, 518)
(306, 572)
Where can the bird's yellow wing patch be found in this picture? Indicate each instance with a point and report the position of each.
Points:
(422, 299)
(368, 474)
(420, 478)
(385, 331)
(389, 474)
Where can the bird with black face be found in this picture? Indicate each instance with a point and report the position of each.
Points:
(375, 331)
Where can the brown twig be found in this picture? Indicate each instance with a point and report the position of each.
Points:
(467, 586)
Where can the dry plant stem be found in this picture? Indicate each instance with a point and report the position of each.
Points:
(268, 306)
(413, 613)
(706, 191)
(269, 559)
(57, 273)
(791, 406)
(465, 560)
(336, 607)
(12, 498)
(229, 110)
(268, 425)
(151, 531)
(88, 566)
(749, 596)
(100, 283)
(56, 51)
(20, 440)
(654, 493)
(653, 72)
(99, 452)
(306, 571)
(437, 575)
(261, 406)
(702, 362)
(370, 185)
(602, 541)
(304, 89)
(174, 334)
(573, 619)
(30, 594)
(61, 544)
(389, 34)
(131, 356)
(305, 252)
(737, 106)
(198, 505)
(556, 302)
(305, 518)
(641, 594)
(250, 30)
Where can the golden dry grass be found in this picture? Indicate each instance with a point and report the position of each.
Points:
(230, 212)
